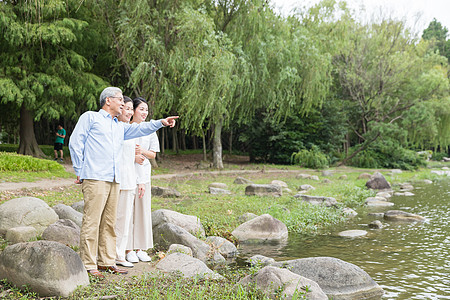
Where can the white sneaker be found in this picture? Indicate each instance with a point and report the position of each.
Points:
(124, 263)
(132, 257)
(143, 256)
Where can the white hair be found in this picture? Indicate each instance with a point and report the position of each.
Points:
(110, 91)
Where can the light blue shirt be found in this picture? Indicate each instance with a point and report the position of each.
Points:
(96, 144)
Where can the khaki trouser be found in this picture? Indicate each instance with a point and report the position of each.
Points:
(98, 239)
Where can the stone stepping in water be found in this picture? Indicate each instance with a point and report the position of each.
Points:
(355, 233)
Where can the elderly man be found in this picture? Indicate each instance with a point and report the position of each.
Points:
(96, 148)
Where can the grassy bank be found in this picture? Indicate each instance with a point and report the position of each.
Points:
(25, 168)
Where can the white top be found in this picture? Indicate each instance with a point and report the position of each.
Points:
(144, 171)
(128, 170)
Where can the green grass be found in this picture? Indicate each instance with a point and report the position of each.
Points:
(161, 286)
(25, 168)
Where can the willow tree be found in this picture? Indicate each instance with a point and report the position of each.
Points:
(218, 62)
(41, 70)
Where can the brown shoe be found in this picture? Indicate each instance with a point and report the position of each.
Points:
(113, 269)
(96, 274)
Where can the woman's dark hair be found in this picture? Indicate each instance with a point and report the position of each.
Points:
(137, 101)
(127, 99)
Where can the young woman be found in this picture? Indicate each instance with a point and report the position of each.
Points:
(127, 189)
(140, 237)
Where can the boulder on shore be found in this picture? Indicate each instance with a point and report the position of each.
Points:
(378, 182)
(402, 216)
(188, 266)
(272, 280)
(263, 190)
(191, 223)
(337, 278)
(26, 211)
(262, 228)
(21, 234)
(47, 268)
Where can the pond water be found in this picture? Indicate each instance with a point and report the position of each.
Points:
(408, 260)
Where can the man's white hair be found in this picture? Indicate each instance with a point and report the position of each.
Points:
(110, 91)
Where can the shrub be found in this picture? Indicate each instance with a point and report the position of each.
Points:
(438, 156)
(312, 158)
(387, 154)
(18, 162)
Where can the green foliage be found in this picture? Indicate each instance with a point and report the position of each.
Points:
(437, 33)
(387, 153)
(438, 156)
(17, 162)
(313, 158)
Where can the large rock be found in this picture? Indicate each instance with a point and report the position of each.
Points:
(26, 211)
(223, 246)
(402, 216)
(165, 192)
(260, 260)
(78, 206)
(21, 234)
(218, 185)
(167, 234)
(242, 180)
(263, 190)
(67, 212)
(378, 182)
(318, 200)
(337, 278)
(177, 248)
(188, 266)
(262, 228)
(272, 280)
(378, 203)
(306, 187)
(280, 183)
(218, 191)
(353, 233)
(188, 222)
(63, 231)
(47, 268)
(246, 217)
(364, 176)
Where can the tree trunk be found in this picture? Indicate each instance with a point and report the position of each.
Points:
(28, 144)
(183, 139)
(230, 143)
(153, 163)
(163, 139)
(194, 142)
(175, 140)
(363, 147)
(166, 137)
(204, 146)
(217, 144)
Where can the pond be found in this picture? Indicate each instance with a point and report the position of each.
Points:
(408, 260)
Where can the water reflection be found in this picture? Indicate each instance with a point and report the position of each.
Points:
(409, 260)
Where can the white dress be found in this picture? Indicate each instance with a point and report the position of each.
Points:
(141, 234)
(126, 198)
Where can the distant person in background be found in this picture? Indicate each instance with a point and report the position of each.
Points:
(140, 237)
(59, 142)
